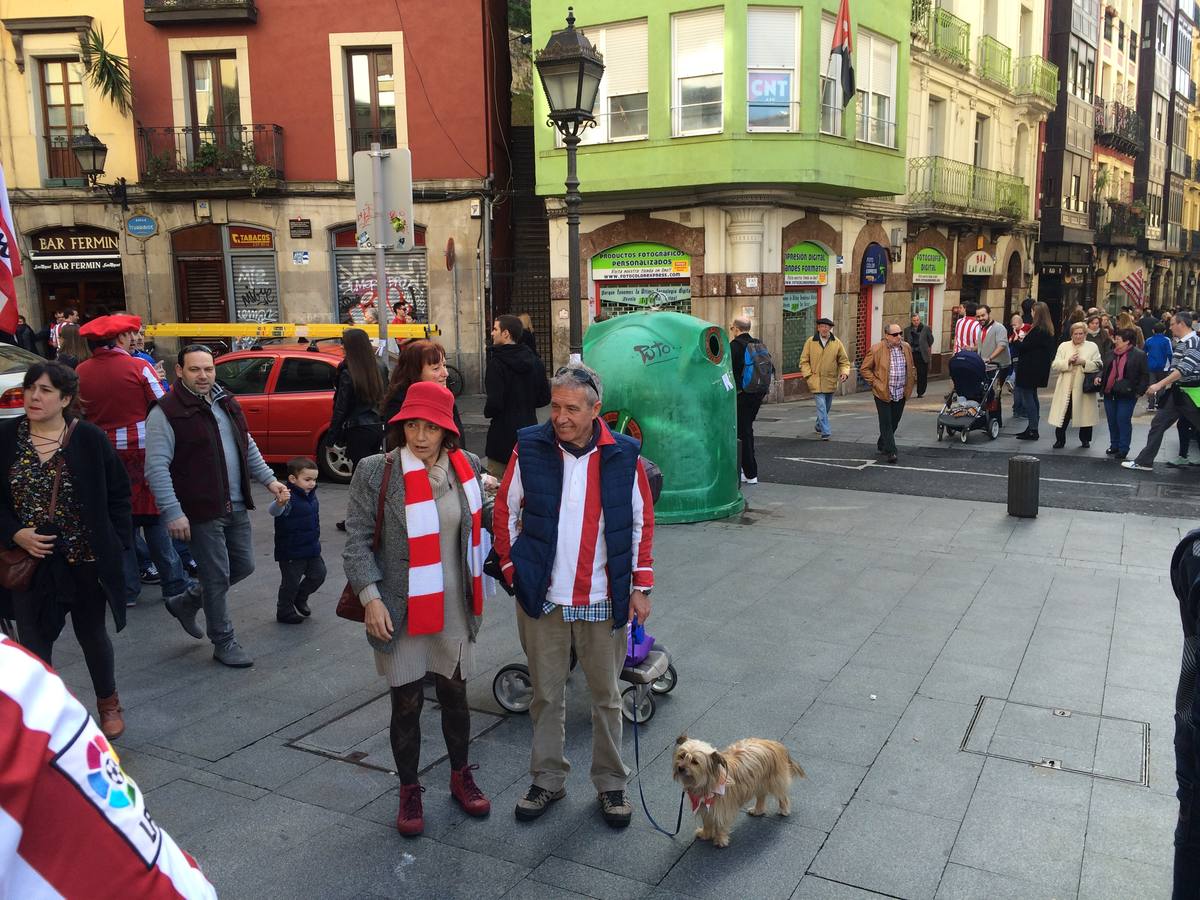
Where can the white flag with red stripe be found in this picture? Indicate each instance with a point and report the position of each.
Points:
(10, 262)
(1135, 287)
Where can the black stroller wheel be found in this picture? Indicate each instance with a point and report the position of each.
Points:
(994, 429)
(634, 706)
(941, 432)
(962, 435)
(666, 682)
(513, 688)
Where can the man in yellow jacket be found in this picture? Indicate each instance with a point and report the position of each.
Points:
(824, 364)
(888, 369)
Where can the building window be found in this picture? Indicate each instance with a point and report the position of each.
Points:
(1133, 46)
(935, 127)
(1108, 26)
(699, 66)
(372, 89)
(875, 73)
(62, 115)
(1121, 36)
(622, 108)
(831, 106)
(771, 65)
(1082, 74)
(215, 102)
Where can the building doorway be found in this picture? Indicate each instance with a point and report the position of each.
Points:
(1013, 288)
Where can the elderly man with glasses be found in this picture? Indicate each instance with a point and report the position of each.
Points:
(888, 369)
(574, 529)
(200, 460)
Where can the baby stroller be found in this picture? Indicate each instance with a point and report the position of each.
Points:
(974, 403)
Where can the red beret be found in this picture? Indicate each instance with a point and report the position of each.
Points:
(106, 328)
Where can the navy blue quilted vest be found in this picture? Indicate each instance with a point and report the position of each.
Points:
(298, 534)
(533, 551)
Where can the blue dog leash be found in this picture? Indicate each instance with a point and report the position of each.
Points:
(637, 761)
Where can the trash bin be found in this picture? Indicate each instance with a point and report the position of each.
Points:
(1023, 474)
(668, 382)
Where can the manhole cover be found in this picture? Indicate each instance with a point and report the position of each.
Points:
(360, 736)
(1060, 738)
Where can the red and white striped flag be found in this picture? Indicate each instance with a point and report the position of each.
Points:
(10, 262)
(841, 49)
(1135, 287)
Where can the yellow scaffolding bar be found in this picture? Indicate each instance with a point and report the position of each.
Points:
(310, 330)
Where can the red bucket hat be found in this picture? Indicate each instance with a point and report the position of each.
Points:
(430, 401)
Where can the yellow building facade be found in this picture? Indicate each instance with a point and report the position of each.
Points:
(69, 234)
(1191, 190)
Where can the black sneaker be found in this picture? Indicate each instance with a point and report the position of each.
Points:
(288, 617)
(535, 801)
(149, 575)
(302, 607)
(616, 808)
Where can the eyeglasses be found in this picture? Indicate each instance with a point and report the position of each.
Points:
(892, 333)
(579, 375)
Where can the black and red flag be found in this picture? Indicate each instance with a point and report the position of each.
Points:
(841, 53)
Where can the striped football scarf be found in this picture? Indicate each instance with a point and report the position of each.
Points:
(426, 610)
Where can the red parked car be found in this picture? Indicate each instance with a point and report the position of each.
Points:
(286, 392)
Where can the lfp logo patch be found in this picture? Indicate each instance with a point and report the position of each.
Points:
(105, 776)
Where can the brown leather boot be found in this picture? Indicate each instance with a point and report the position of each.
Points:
(112, 723)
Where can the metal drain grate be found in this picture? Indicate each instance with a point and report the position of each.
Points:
(1061, 739)
(360, 736)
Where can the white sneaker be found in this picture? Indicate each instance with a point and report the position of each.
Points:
(742, 477)
(750, 480)
(1132, 464)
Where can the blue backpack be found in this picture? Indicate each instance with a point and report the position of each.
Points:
(758, 369)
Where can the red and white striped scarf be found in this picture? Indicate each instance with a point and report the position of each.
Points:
(426, 607)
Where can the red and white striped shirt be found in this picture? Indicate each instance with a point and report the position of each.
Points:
(117, 389)
(72, 823)
(967, 334)
(580, 573)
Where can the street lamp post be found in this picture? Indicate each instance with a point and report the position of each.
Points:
(570, 70)
(91, 153)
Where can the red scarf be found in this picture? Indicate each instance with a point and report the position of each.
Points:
(426, 606)
(1117, 372)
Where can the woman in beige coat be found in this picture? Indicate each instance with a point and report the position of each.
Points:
(1075, 358)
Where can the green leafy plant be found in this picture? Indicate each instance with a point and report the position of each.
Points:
(260, 177)
(106, 71)
(160, 164)
(207, 156)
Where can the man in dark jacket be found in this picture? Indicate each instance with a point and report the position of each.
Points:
(919, 338)
(1185, 579)
(515, 381)
(200, 459)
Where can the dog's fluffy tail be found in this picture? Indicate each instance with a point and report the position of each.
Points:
(795, 768)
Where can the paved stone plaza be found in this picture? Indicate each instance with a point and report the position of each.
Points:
(860, 629)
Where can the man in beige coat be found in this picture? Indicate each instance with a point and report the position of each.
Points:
(888, 369)
(824, 364)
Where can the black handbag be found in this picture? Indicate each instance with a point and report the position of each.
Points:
(1093, 382)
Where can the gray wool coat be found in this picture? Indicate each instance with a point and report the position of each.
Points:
(389, 569)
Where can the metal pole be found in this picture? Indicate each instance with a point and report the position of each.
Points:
(573, 199)
(457, 339)
(381, 244)
(486, 311)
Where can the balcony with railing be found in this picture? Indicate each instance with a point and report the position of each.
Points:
(1036, 80)
(236, 158)
(995, 62)
(363, 138)
(194, 12)
(950, 37)
(1118, 126)
(62, 168)
(1116, 223)
(946, 185)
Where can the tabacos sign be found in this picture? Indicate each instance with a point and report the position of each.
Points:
(641, 260)
(243, 238)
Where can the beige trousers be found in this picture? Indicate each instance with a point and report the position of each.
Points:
(601, 653)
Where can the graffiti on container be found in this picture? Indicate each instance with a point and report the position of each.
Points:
(654, 352)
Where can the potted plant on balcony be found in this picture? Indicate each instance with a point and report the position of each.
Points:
(206, 158)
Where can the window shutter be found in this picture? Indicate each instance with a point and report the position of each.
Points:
(827, 25)
(882, 66)
(699, 43)
(770, 38)
(625, 66)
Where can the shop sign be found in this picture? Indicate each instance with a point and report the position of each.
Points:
(799, 302)
(141, 226)
(300, 228)
(979, 263)
(650, 296)
(928, 266)
(242, 238)
(874, 267)
(300, 257)
(806, 263)
(639, 261)
(72, 251)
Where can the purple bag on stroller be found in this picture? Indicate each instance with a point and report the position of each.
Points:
(639, 645)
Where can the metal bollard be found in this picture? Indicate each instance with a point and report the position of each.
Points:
(1023, 473)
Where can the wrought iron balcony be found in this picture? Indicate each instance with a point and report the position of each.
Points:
(1116, 223)
(919, 18)
(192, 12)
(1119, 126)
(236, 157)
(950, 37)
(1035, 78)
(62, 168)
(995, 62)
(363, 138)
(937, 183)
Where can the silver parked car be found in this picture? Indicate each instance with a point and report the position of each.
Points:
(14, 363)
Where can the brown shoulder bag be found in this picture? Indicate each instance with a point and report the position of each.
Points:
(349, 606)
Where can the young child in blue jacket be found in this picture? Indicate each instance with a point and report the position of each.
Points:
(298, 543)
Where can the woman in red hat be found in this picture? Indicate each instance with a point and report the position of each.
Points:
(422, 590)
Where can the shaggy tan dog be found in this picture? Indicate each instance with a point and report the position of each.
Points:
(719, 783)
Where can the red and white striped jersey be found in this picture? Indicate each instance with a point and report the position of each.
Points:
(580, 573)
(117, 390)
(72, 823)
(967, 334)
